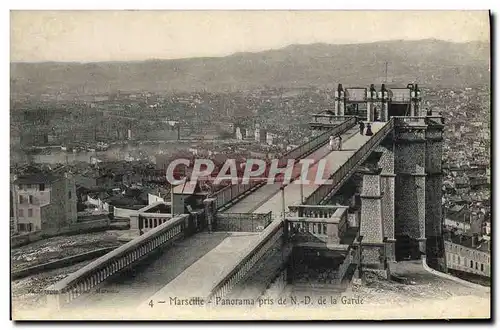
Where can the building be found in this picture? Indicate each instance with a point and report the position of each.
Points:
(468, 259)
(458, 217)
(43, 202)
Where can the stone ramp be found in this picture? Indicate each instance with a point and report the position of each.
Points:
(133, 286)
(253, 201)
(201, 277)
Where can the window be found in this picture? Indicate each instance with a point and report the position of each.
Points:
(21, 199)
(41, 187)
(30, 212)
(30, 199)
(459, 259)
(471, 264)
(69, 194)
(28, 186)
(482, 267)
(21, 213)
(476, 265)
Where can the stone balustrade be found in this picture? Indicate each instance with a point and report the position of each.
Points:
(149, 221)
(95, 273)
(314, 211)
(271, 236)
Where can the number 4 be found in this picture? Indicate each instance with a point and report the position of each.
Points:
(151, 303)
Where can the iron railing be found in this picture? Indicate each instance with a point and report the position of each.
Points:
(242, 222)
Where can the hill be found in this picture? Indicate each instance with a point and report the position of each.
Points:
(428, 62)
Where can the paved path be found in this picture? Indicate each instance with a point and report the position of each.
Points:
(131, 288)
(334, 160)
(202, 276)
(251, 202)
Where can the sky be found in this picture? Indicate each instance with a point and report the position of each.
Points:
(91, 36)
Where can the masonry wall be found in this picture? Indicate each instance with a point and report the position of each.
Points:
(77, 228)
(410, 189)
(70, 200)
(55, 214)
(433, 196)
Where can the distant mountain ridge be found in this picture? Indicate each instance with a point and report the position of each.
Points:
(429, 62)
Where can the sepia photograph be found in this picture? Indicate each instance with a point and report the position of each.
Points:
(219, 165)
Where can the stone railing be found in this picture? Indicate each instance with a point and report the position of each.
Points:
(314, 211)
(318, 229)
(230, 194)
(268, 238)
(302, 229)
(149, 221)
(95, 273)
(347, 169)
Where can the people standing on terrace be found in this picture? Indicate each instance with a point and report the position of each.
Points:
(369, 130)
(331, 143)
(361, 127)
(339, 142)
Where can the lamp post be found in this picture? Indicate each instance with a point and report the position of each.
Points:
(282, 188)
(360, 255)
(301, 193)
(386, 263)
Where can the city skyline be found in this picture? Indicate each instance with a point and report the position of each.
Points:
(99, 36)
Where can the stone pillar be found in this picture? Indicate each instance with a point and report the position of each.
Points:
(210, 213)
(371, 227)
(332, 230)
(369, 111)
(409, 166)
(385, 111)
(336, 103)
(134, 221)
(283, 205)
(387, 181)
(433, 194)
(341, 103)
